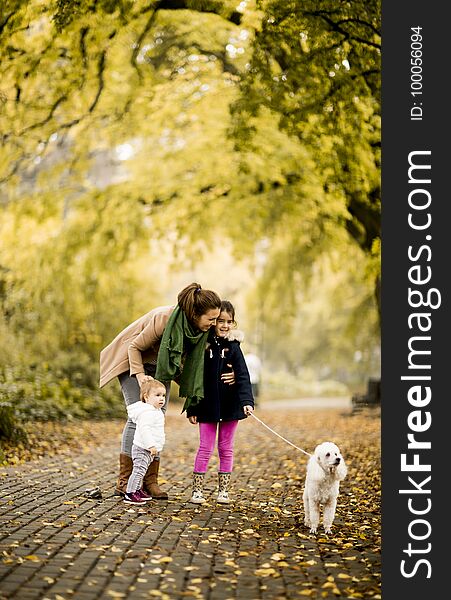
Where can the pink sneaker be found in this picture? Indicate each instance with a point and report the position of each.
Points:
(134, 498)
(144, 495)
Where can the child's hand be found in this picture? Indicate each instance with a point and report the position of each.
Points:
(228, 378)
(192, 419)
(248, 410)
(153, 451)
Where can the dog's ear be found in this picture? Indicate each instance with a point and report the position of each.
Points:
(317, 453)
(342, 469)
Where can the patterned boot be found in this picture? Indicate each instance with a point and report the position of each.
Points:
(198, 484)
(223, 492)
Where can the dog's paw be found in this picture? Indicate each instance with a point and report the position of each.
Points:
(327, 530)
(312, 529)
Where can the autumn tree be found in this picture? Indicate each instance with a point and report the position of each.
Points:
(120, 150)
(316, 65)
(83, 85)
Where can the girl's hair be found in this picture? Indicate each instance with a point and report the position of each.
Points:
(149, 386)
(194, 301)
(228, 307)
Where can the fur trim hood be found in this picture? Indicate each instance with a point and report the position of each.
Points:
(235, 335)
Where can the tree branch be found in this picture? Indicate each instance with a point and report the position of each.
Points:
(141, 38)
(211, 7)
(335, 27)
(4, 23)
(360, 22)
(44, 121)
(101, 69)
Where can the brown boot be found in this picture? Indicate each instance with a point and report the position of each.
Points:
(151, 482)
(125, 470)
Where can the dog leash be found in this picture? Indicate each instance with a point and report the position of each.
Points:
(278, 435)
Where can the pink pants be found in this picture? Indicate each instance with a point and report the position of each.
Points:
(207, 435)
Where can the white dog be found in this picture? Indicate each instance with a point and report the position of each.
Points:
(325, 469)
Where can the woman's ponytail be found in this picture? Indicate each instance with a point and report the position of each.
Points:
(194, 301)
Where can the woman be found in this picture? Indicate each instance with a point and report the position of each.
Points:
(166, 343)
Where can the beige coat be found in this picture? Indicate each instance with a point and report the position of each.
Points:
(136, 344)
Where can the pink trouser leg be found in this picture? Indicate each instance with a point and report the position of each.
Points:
(207, 435)
(225, 445)
(207, 439)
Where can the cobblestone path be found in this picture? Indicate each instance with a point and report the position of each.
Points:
(56, 544)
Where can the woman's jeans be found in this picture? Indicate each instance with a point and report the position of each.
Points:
(131, 390)
(207, 434)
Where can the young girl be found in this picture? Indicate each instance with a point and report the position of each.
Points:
(222, 406)
(149, 437)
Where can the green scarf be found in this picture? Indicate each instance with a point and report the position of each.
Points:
(180, 339)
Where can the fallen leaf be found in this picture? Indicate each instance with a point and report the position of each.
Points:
(265, 572)
(278, 556)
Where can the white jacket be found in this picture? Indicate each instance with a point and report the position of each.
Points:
(149, 425)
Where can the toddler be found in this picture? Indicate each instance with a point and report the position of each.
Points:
(149, 437)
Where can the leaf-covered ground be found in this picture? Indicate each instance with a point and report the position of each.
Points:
(57, 544)
(45, 439)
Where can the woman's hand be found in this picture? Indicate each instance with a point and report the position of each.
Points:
(141, 377)
(192, 419)
(248, 410)
(228, 378)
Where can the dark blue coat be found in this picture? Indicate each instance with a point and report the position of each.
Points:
(223, 402)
